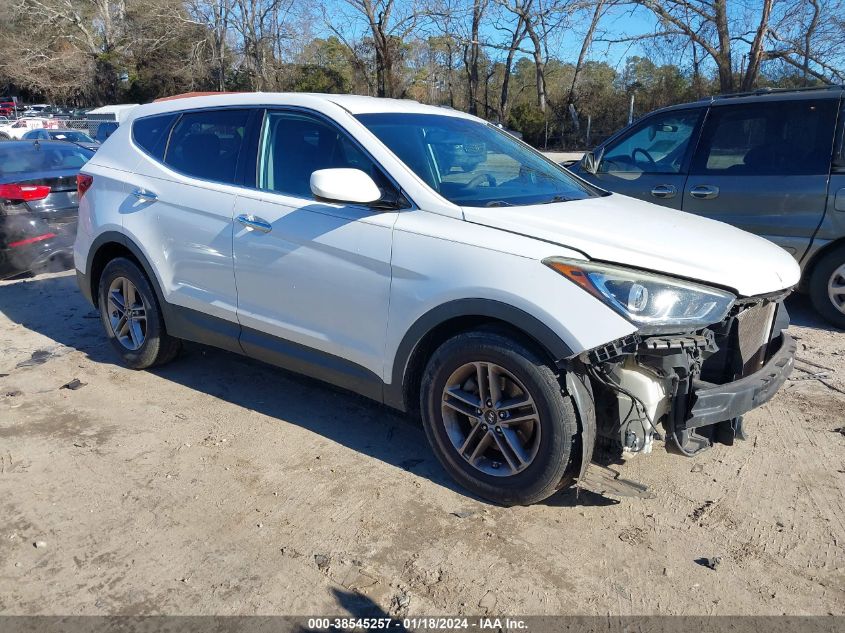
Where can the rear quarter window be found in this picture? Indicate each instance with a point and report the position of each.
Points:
(150, 133)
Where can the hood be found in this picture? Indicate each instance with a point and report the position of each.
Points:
(622, 230)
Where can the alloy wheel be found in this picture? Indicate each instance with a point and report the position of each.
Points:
(836, 288)
(491, 419)
(127, 313)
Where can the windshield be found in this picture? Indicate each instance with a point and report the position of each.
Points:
(72, 136)
(471, 163)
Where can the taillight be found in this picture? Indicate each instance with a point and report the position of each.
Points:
(83, 183)
(24, 192)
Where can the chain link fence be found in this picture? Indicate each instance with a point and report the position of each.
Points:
(97, 128)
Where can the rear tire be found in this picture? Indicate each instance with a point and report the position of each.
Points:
(827, 287)
(509, 441)
(131, 316)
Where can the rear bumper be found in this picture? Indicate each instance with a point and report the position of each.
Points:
(716, 403)
(34, 251)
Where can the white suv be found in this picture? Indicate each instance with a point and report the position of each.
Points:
(523, 312)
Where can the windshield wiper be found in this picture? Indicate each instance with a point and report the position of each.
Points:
(557, 199)
(498, 203)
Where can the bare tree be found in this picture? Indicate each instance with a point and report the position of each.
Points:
(540, 19)
(775, 30)
(215, 15)
(599, 9)
(388, 24)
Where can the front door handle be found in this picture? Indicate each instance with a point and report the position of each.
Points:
(704, 192)
(253, 223)
(145, 196)
(664, 191)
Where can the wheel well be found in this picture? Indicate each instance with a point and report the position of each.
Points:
(804, 284)
(439, 334)
(106, 253)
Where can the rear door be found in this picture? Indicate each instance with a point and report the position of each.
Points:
(650, 160)
(179, 203)
(764, 167)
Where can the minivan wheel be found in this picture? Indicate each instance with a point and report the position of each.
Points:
(131, 316)
(497, 419)
(827, 287)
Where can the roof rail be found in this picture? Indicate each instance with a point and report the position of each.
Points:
(767, 91)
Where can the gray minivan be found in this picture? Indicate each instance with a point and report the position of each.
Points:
(770, 162)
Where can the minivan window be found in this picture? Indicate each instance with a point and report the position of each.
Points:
(295, 145)
(775, 139)
(150, 133)
(472, 163)
(206, 144)
(656, 146)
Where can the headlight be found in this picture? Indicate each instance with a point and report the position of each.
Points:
(654, 303)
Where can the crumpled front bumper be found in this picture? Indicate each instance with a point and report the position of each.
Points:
(712, 404)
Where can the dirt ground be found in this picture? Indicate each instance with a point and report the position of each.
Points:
(217, 485)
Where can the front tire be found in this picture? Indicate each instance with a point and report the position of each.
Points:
(497, 419)
(131, 316)
(827, 287)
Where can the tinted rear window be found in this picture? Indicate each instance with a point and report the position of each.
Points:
(786, 138)
(150, 133)
(17, 158)
(206, 144)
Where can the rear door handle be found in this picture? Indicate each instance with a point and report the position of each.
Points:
(145, 196)
(704, 192)
(253, 223)
(664, 191)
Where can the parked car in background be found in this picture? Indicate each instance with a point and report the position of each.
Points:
(18, 128)
(771, 162)
(70, 136)
(521, 310)
(105, 130)
(104, 120)
(38, 204)
(40, 109)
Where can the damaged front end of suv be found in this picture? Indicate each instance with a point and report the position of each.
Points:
(700, 359)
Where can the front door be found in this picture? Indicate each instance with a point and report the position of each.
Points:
(650, 160)
(764, 167)
(313, 277)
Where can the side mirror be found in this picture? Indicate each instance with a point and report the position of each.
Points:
(344, 185)
(591, 162)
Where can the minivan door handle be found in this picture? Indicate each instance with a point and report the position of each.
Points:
(704, 192)
(145, 196)
(253, 223)
(664, 191)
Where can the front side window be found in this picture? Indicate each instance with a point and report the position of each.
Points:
(294, 145)
(471, 163)
(768, 139)
(206, 144)
(656, 146)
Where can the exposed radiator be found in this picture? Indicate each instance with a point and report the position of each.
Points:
(754, 330)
